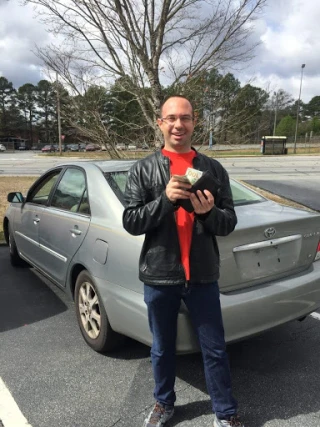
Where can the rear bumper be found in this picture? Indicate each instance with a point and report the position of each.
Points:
(245, 313)
(263, 307)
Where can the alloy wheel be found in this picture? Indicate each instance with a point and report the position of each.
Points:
(89, 310)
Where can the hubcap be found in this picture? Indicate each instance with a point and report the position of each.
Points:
(89, 310)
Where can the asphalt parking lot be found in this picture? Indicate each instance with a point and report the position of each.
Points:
(57, 380)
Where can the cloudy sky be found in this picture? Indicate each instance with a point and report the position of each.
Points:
(287, 29)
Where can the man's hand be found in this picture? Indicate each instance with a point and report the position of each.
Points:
(177, 190)
(202, 202)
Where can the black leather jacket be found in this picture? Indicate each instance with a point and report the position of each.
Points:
(148, 211)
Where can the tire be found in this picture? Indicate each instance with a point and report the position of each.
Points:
(15, 259)
(92, 317)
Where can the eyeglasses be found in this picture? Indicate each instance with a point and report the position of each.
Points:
(172, 119)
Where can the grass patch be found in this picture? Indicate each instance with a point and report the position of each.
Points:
(98, 155)
(7, 185)
(305, 150)
(231, 152)
(256, 152)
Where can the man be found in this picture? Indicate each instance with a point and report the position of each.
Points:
(180, 259)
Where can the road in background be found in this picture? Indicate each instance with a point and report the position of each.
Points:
(27, 163)
(261, 167)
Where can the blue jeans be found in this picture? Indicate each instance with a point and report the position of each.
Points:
(203, 303)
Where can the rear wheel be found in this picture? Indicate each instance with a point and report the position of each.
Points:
(15, 259)
(92, 317)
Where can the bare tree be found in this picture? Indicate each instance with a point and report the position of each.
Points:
(101, 116)
(147, 41)
(278, 106)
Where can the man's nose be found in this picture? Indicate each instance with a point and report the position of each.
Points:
(178, 122)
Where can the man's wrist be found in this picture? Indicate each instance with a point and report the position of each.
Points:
(203, 216)
(174, 203)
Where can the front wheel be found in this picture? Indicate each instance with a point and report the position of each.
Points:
(92, 317)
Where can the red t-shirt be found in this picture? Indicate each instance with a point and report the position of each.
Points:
(179, 162)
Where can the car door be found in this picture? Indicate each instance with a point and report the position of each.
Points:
(28, 217)
(64, 224)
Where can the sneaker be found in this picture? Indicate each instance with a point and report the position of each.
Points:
(159, 415)
(232, 422)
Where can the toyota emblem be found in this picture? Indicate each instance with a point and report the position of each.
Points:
(269, 232)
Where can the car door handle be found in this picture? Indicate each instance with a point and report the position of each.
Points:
(75, 231)
(36, 220)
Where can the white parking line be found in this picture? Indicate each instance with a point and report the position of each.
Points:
(315, 315)
(10, 414)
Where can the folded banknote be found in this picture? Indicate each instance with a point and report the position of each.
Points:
(191, 176)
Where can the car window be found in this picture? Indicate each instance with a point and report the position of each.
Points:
(244, 196)
(117, 181)
(241, 195)
(120, 179)
(83, 207)
(70, 191)
(41, 192)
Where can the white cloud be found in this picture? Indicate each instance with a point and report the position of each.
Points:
(290, 38)
(287, 29)
(19, 33)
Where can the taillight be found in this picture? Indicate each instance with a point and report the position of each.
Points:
(318, 252)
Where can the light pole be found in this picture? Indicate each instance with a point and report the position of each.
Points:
(298, 108)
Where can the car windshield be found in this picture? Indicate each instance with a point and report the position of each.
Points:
(241, 194)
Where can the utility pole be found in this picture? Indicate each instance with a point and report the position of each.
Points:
(298, 110)
(275, 114)
(58, 114)
(210, 131)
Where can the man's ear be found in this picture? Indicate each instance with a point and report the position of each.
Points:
(159, 121)
(195, 117)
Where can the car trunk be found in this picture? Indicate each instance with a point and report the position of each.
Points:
(270, 242)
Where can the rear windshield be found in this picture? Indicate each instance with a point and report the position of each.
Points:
(244, 196)
(241, 194)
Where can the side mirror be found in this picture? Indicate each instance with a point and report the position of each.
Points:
(15, 197)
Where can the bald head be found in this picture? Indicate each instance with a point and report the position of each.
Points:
(174, 97)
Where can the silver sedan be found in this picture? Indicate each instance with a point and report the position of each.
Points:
(69, 228)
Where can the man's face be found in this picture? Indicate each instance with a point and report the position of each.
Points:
(177, 126)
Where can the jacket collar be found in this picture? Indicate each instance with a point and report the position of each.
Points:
(164, 159)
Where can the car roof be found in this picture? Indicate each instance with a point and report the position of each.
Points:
(104, 165)
(115, 165)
